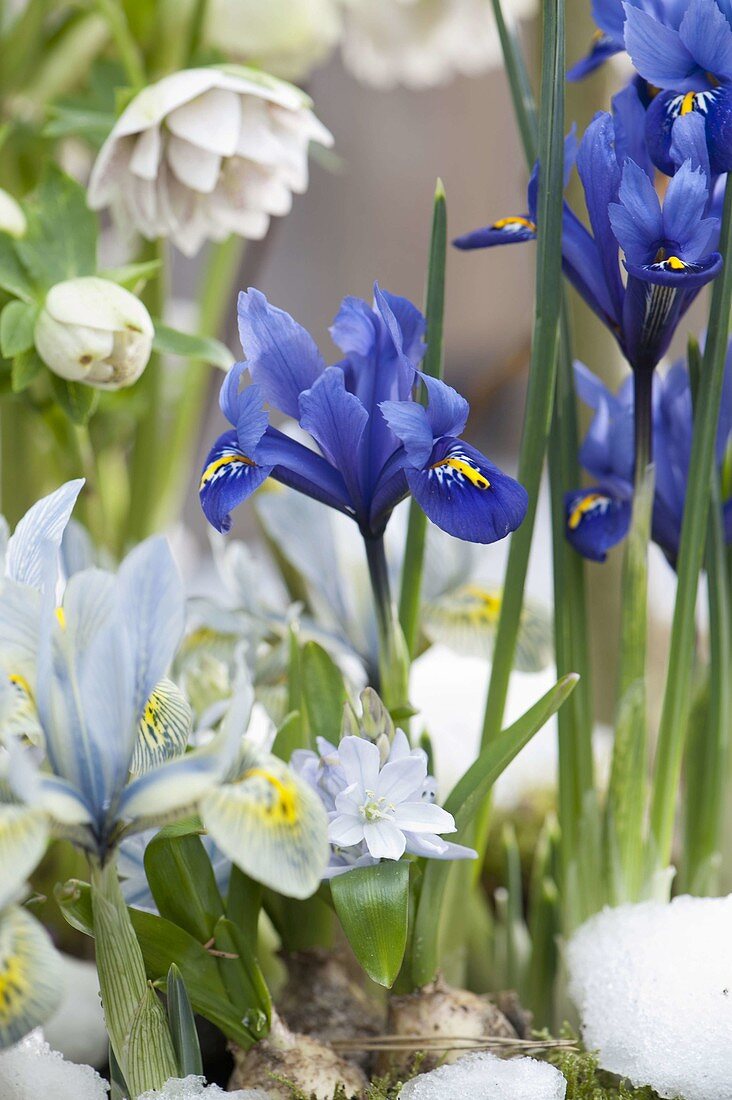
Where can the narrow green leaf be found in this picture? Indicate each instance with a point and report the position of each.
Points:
(61, 241)
(409, 598)
(182, 1026)
(149, 1055)
(290, 736)
(372, 904)
(77, 400)
(300, 925)
(544, 348)
(464, 803)
(243, 979)
(25, 369)
(13, 276)
(169, 341)
(132, 276)
(323, 692)
(78, 123)
(17, 322)
(183, 883)
(244, 903)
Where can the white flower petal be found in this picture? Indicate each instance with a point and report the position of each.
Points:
(97, 303)
(345, 830)
(383, 839)
(424, 817)
(195, 167)
(145, 159)
(360, 761)
(399, 779)
(211, 121)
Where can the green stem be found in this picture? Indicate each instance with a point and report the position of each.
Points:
(518, 79)
(627, 793)
(128, 1001)
(677, 696)
(393, 664)
(147, 451)
(409, 599)
(13, 468)
(542, 374)
(129, 52)
(93, 499)
(177, 456)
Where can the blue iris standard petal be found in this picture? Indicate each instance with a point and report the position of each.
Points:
(707, 35)
(689, 142)
(337, 421)
(684, 206)
(636, 218)
(408, 420)
(656, 50)
(596, 520)
(281, 355)
(228, 478)
(405, 322)
(629, 122)
(600, 174)
(463, 493)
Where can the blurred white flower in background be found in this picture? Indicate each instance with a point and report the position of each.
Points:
(286, 37)
(420, 43)
(205, 153)
(92, 330)
(12, 218)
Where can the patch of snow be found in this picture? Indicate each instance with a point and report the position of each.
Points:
(30, 1070)
(483, 1076)
(653, 985)
(195, 1088)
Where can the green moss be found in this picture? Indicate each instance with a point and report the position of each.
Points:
(586, 1081)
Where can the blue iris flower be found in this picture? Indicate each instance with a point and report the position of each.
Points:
(685, 49)
(376, 443)
(598, 517)
(608, 40)
(669, 250)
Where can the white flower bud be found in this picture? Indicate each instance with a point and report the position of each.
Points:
(92, 330)
(286, 37)
(205, 153)
(12, 218)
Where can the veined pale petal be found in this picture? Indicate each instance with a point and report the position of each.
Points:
(466, 620)
(164, 728)
(44, 522)
(58, 798)
(24, 835)
(30, 975)
(272, 826)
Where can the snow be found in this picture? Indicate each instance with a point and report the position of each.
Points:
(195, 1088)
(482, 1076)
(653, 985)
(30, 1070)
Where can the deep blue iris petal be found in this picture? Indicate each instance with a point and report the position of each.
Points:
(629, 120)
(511, 230)
(656, 50)
(337, 421)
(715, 107)
(281, 355)
(600, 174)
(601, 50)
(303, 469)
(484, 512)
(596, 519)
(227, 479)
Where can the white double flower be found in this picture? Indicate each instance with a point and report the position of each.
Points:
(205, 153)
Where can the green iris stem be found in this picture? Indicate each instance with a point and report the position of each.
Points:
(677, 696)
(409, 599)
(129, 52)
(627, 792)
(176, 457)
(393, 662)
(542, 373)
(126, 994)
(93, 498)
(16, 497)
(147, 450)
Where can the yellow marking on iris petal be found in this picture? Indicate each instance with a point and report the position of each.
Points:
(61, 617)
(491, 604)
(474, 476)
(282, 810)
(21, 682)
(687, 103)
(152, 724)
(585, 505)
(225, 460)
(676, 264)
(13, 985)
(503, 223)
